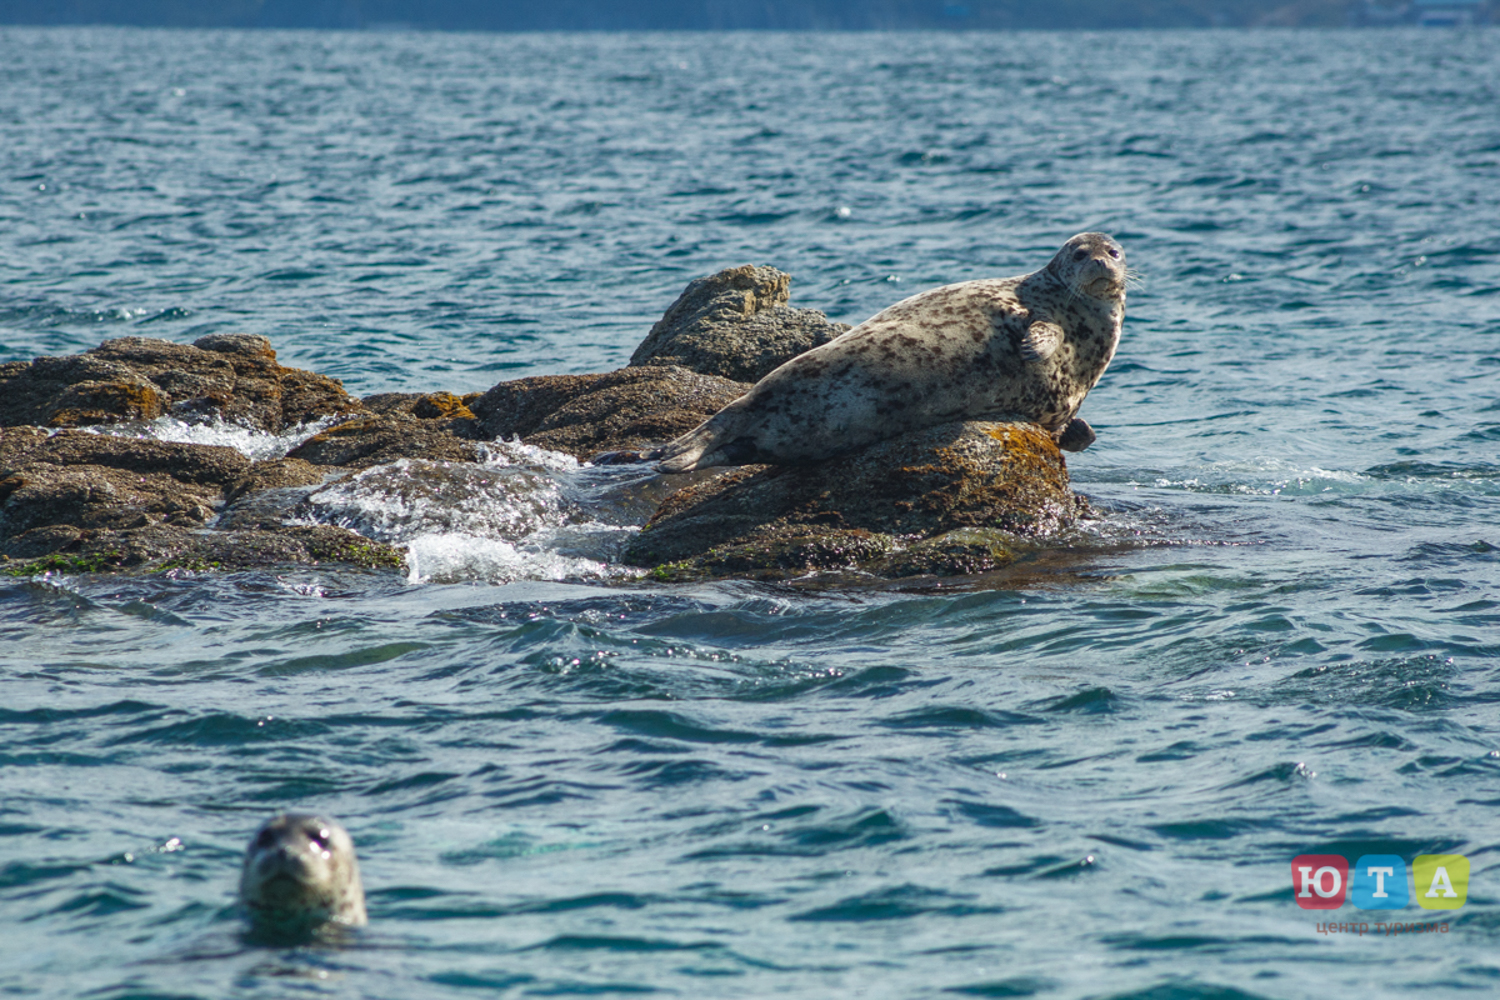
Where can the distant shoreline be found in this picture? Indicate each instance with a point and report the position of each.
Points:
(903, 30)
(749, 15)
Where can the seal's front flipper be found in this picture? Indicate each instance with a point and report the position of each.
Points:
(1077, 436)
(1041, 342)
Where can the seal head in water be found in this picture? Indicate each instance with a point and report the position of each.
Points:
(300, 875)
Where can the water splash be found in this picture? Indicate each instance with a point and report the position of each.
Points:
(510, 518)
(502, 453)
(254, 444)
(411, 497)
(456, 557)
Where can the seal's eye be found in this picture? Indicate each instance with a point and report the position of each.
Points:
(1114, 253)
(265, 838)
(1080, 254)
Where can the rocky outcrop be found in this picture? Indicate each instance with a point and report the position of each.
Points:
(623, 410)
(735, 324)
(72, 500)
(233, 377)
(375, 440)
(954, 498)
(89, 481)
(453, 411)
(82, 501)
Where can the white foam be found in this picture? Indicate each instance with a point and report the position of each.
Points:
(412, 497)
(455, 558)
(253, 444)
(500, 520)
(502, 453)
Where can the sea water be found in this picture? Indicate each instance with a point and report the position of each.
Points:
(1085, 779)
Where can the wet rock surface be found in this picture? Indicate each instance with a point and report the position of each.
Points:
(163, 547)
(89, 502)
(233, 377)
(735, 324)
(957, 499)
(276, 474)
(624, 410)
(944, 500)
(368, 441)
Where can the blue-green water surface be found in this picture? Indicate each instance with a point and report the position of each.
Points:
(1087, 779)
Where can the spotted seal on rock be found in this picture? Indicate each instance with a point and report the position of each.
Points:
(1029, 348)
(300, 875)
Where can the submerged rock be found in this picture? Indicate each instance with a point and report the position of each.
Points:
(414, 496)
(582, 415)
(161, 547)
(735, 324)
(233, 377)
(276, 474)
(954, 498)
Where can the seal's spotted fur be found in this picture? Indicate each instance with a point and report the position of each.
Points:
(300, 873)
(1028, 348)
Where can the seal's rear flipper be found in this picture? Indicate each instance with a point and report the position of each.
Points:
(740, 451)
(1077, 436)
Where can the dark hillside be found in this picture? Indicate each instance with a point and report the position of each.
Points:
(795, 15)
